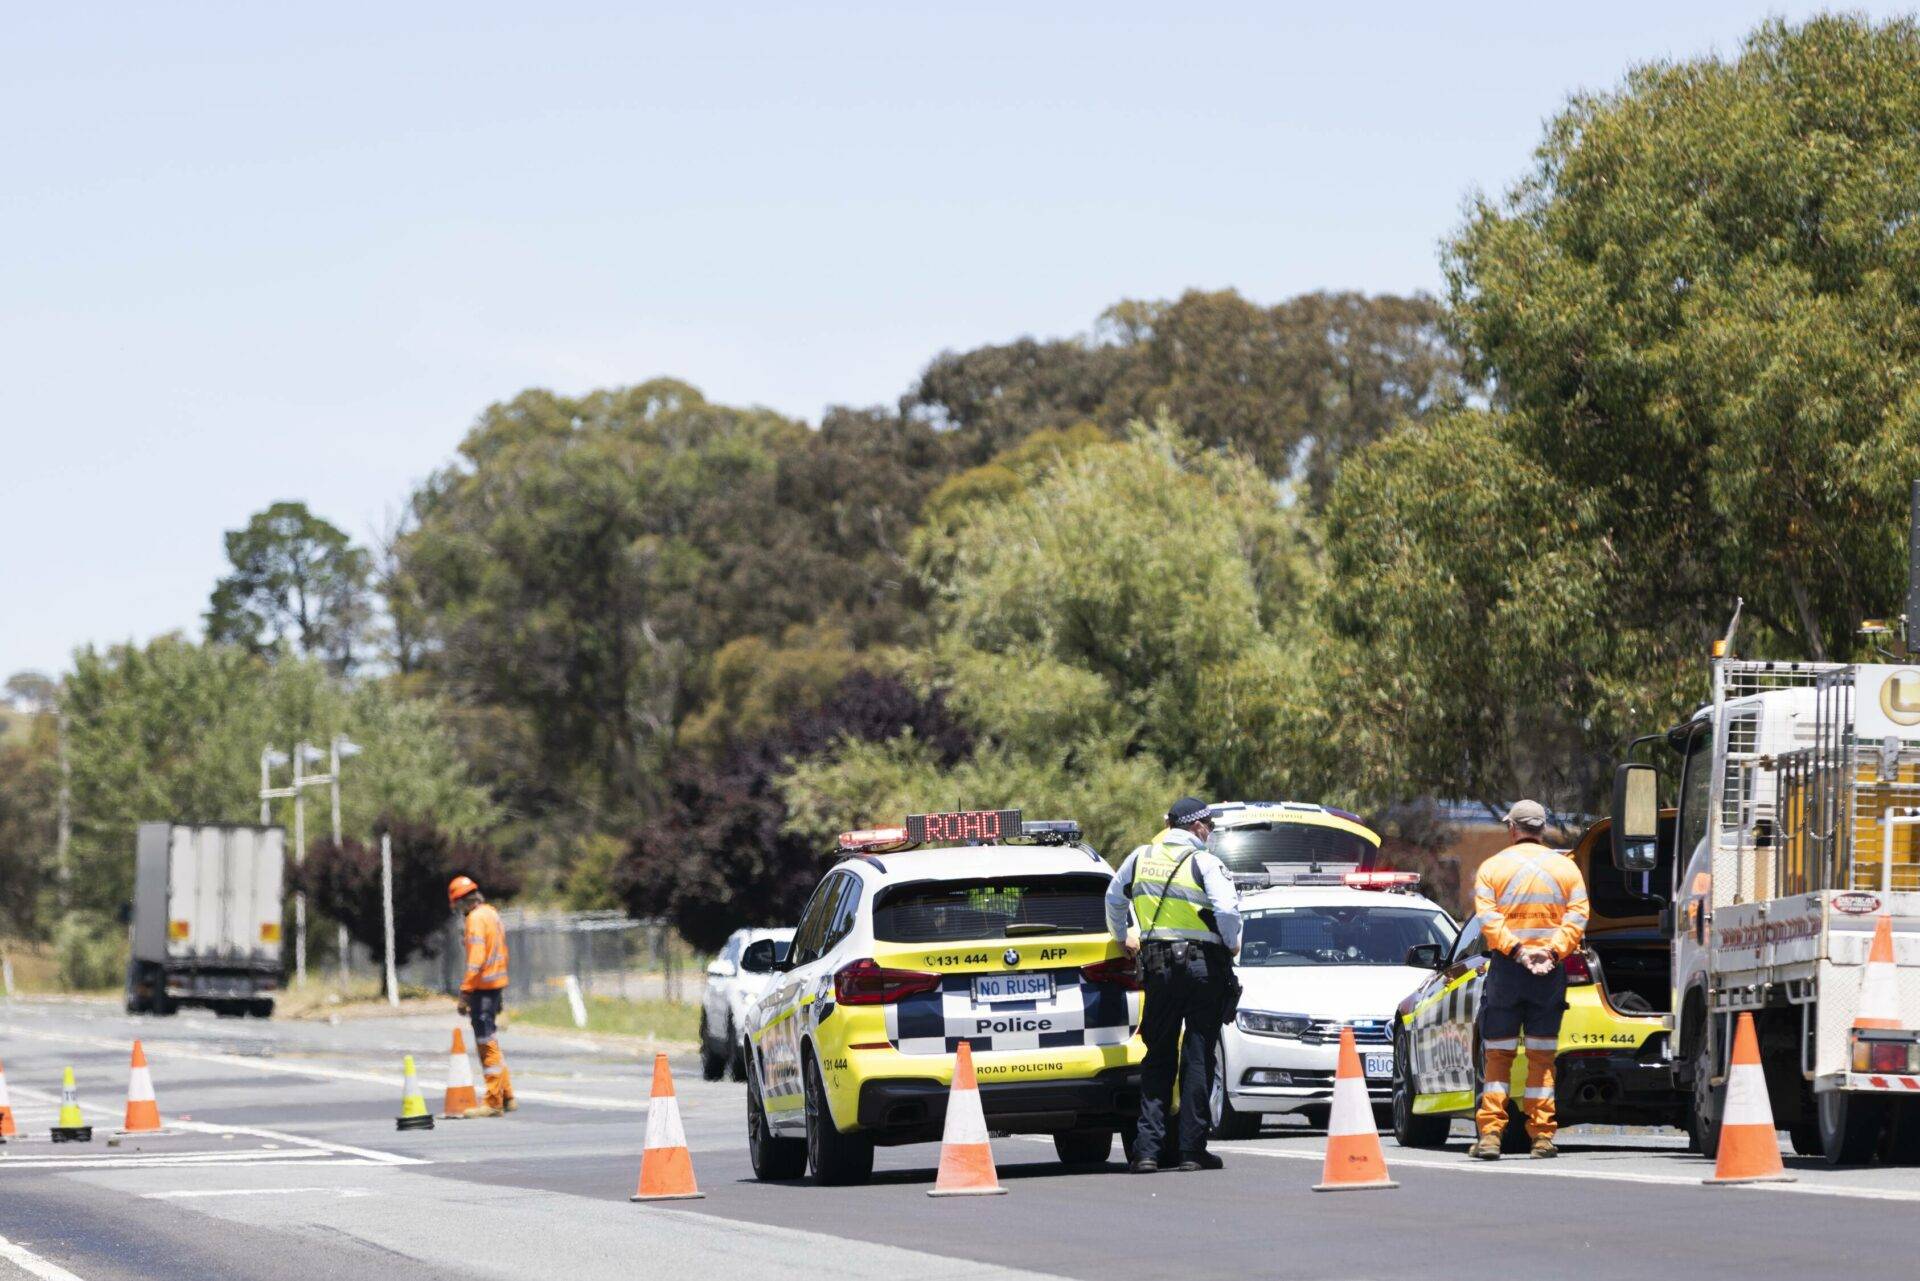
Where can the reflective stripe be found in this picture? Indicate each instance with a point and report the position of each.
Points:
(1575, 918)
(1542, 1042)
(1510, 899)
(1177, 893)
(1510, 1043)
(1493, 1087)
(1167, 935)
(1542, 933)
(1539, 1092)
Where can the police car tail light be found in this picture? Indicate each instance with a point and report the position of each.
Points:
(867, 982)
(1115, 969)
(1578, 970)
(1380, 880)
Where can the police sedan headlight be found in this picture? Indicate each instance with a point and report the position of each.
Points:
(1262, 1023)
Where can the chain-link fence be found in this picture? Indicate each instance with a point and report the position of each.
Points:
(612, 954)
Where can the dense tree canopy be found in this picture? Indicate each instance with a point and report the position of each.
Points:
(297, 582)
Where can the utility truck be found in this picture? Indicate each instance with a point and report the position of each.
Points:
(1797, 829)
(206, 917)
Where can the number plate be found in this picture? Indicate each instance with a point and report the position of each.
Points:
(1379, 1065)
(989, 988)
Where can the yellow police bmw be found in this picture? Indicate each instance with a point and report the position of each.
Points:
(969, 926)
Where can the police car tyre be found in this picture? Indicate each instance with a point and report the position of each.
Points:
(1410, 1128)
(1083, 1147)
(836, 1159)
(1514, 1139)
(713, 1063)
(1850, 1126)
(1228, 1123)
(772, 1157)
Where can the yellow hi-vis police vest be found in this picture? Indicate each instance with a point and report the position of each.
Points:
(1177, 915)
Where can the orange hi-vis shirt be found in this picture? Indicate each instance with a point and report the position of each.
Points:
(1529, 894)
(486, 951)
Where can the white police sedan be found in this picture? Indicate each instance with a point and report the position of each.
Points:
(1312, 957)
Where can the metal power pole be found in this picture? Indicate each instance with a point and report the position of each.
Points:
(386, 903)
(299, 859)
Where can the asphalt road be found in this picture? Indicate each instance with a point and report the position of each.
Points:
(284, 1163)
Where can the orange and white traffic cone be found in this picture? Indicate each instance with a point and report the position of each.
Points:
(143, 1110)
(966, 1157)
(1354, 1160)
(1749, 1145)
(1879, 1005)
(460, 1095)
(7, 1129)
(666, 1167)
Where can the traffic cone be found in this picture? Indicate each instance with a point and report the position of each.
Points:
(1354, 1159)
(666, 1167)
(68, 1127)
(413, 1108)
(460, 1096)
(1880, 982)
(143, 1110)
(1749, 1145)
(966, 1158)
(7, 1130)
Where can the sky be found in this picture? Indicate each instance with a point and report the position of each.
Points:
(262, 252)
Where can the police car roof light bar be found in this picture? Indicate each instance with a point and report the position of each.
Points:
(874, 838)
(1052, 831)
(1381, 880)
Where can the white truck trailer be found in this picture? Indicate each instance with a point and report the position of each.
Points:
(1795, 828)
(206, 920)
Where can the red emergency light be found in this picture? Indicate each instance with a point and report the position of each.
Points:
(1380, 880)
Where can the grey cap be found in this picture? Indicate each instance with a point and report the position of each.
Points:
(1531, 815)
(1188, 809)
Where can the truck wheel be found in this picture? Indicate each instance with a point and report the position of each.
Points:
(1703, 1122)
(261, 1007)
(1412, 1129)
(772, 1157)
(837, 1159)
(1850, 1126)
(1083, 1147)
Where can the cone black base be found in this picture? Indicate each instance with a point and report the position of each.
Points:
(73, 1134)
(414, 1123)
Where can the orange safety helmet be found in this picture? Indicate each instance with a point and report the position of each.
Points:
(459, 888)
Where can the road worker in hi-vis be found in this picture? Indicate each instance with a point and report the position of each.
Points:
(483, 991)
(1531, 904)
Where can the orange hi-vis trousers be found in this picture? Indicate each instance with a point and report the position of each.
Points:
(1512, 1000)
(483, 1008)
(493, 1066)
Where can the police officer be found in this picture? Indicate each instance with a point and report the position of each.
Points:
(1185, 928)
(1531, 903)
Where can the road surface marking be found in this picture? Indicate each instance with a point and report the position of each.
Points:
(27, 1261)
(428, 1084)
(204, 1192)
(256, 1132)
(1560, 1171)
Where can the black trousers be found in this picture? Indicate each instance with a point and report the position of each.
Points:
(1187, 996)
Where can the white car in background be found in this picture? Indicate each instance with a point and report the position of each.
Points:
(1314, 957)
(737, 977)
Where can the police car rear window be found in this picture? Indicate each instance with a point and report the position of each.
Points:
(1250, 849)
(1000, 907)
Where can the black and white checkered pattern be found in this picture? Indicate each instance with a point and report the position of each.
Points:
(1443, 1031)
(1079, 1014)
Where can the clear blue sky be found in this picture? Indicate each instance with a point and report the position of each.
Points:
(264, 251)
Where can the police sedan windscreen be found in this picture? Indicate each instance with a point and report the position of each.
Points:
(1340, 935)
(1000, 907)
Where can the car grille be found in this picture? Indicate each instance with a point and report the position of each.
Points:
(1365, 1032)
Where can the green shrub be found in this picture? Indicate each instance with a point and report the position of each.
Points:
(91, 951)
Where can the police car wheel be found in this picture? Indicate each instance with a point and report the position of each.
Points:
(1083, 1147)
(1228, 1123)
(1412, 1129)
(772, 1157)
(836, 1158)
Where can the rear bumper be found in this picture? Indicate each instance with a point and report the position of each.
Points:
(1616, 1087)
(913, 1110)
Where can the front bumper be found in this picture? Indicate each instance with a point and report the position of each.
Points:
(914, 1109)
(1279, 1074)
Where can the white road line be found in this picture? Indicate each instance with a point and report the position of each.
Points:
(1559, 1171)
(255, 1132)
(428, 1084)
(28, 1261)
(41, 1160)
(205, 1192)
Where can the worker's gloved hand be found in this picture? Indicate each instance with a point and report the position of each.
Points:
(460, 1005)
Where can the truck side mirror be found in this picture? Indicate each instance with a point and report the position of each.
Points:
(1636, 818)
